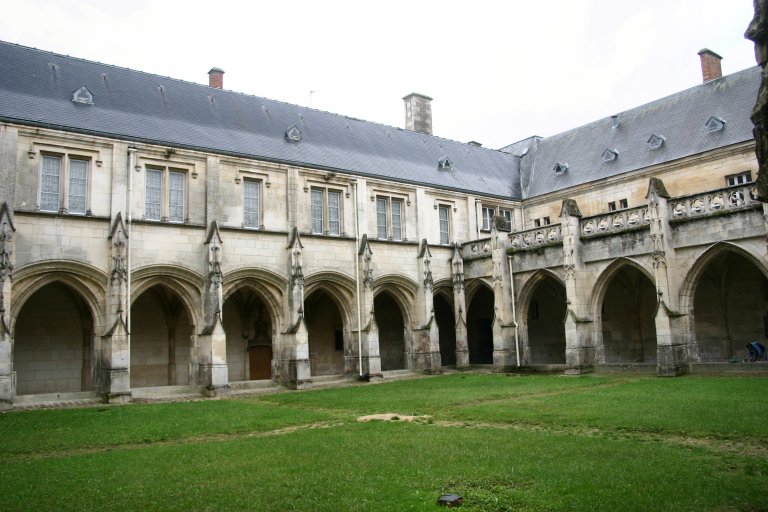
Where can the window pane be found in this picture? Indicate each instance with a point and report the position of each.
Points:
(317, 211)
(78, 184)
(381, 217)
(154, 184)
(251, 196)
(49, 183)
(176, 196)
(334, 207)
(397, 219)
(488, 217)
(444, 233)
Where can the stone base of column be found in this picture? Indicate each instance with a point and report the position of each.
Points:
(117, 398)
(428, 362)
(216, 391)
(503, 359)
(579, 370)
(298, 374)
(579, 360)
(371, 377)
(671, 360)
(114, 385)
(462, 359)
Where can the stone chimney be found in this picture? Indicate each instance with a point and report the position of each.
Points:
(710, 65)
(216, 78)
(418, 113)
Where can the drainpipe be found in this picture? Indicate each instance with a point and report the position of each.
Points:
(357, 286)
(129, 214)
(514, 313)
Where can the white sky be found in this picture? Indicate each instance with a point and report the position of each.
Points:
(499, 71)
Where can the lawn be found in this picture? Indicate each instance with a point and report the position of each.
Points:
(523, 443)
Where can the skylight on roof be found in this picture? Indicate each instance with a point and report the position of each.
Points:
(560, 167)
(293, 134)
(609, 155)
(445, 164)
(714, 124)
(655, 142)
(83, 95)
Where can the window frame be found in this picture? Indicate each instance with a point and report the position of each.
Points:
(167, 192)
(325, 209)
(389, 227)
(447, 209)
(507, 214)
(258, 224)
(64, 185)
(487, 220)
(736, 178)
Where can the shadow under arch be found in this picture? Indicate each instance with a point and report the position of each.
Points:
(188, 285)
(624, 304)
(541, 311)
(56, 325)
(391, 318)
(480, 318)
(725, 297)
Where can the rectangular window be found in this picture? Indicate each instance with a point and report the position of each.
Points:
(154, 194)
(165, 194)
(317, 211)
(381, 218)
(507, 214)
(444, 216)
(251, 203)
(738, 179)
(50, 175)
(64, 188)
(78, 186)
(612, 206)
(623, 203)
(545, 221)
(488, 214)
(537, 223)
(389, 218)
(326, 211)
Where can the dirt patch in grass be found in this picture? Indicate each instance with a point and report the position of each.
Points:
(391, 416)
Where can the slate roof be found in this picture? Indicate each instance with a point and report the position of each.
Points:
(36, 88)
(679, 120)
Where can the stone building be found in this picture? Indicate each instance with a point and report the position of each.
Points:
(155, 232)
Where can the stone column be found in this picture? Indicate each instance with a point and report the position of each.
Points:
(212, 341)
(7, 380)
(425, 350)
(579, 341)
(371, 358)
(460, 308)
(671, 347)
(295, 350)
(504, 356)
(113, 355)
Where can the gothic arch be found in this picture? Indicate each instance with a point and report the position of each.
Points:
(526, 292)
(605, 277)
(183, 282)
(472, 286)
(481, 315)
(541, 308)
(402, 290)
(267, 285)
(87, 281)
(340, 287)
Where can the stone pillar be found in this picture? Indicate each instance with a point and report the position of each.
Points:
(295, 350)
(671, 357)
(113, 355)
(212, 189)
(460, 308)
(579, 341)
(212, 341)
(7, 377)
(371, 358)
(425, 350)
(504, 356)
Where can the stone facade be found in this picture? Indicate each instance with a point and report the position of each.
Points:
(257, 269)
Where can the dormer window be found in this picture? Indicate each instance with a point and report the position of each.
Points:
(445, 164)
(655, 142)
(560, 167)
(609, 155)
(714, 124)
(83, 95)
(293, 134)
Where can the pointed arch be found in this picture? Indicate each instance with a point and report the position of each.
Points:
(481, 315)
(605, 277)
(185, 283)
(541, 310)
(338, 286)
(268, 285)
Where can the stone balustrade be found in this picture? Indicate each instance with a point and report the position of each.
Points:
(476, 249)
(538, 237)
(614, 222)
(713, 202)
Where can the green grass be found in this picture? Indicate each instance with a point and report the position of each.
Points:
(531, 443)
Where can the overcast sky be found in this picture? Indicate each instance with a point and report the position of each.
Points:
(498, 71)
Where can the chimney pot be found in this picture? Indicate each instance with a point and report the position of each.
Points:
(216, 78)
(418, 113)
(710, 65)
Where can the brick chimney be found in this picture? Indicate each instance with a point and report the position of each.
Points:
(418, 113)
(216, 78)
(710, 65)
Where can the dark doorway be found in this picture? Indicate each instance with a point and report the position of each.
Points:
(446, 323)
(480, 327)
(546, 330)
(628, 323)
(389, 320)
(326, 334)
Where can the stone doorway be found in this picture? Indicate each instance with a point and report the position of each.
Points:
(545, 322)
(249, 328)
(260, 362)
(325, 330)
(446, 323)
(480, 327)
